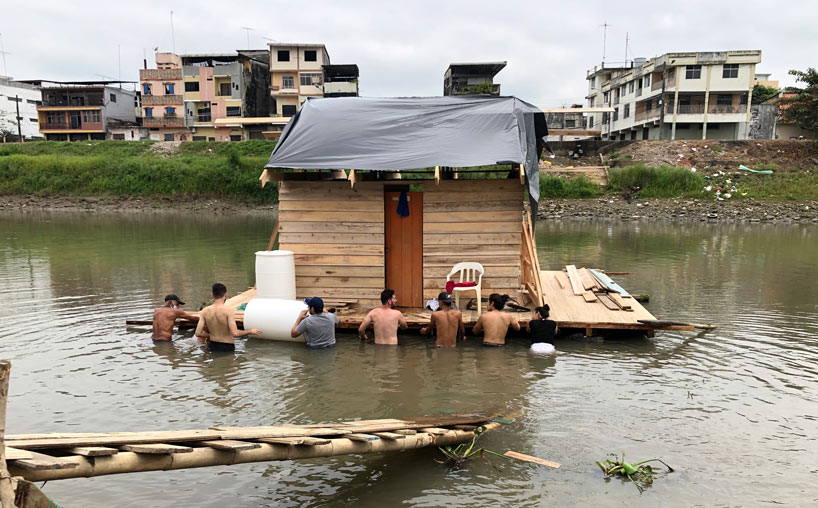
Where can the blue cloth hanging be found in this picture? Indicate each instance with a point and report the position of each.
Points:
(403, 205)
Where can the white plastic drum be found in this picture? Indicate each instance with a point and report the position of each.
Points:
(275, 274)
(274, 317)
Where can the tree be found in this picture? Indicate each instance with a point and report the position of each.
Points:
(763, 93)
(802, 108)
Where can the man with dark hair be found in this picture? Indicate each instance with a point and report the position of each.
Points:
(165, 317)
(317, 326)
(385, 320)
(495, 323)
(220, 321)
(447, 321)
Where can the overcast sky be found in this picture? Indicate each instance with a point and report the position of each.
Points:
(402, 48)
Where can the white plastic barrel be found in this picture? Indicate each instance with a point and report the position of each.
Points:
(274, 317)
(275, 274)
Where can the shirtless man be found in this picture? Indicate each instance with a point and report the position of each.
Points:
(495, 323)
(447, 321)
(385, 320)
(220, 321)
(165, 317)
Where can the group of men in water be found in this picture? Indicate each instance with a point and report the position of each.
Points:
(217, 322)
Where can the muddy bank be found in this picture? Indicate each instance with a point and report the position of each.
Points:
(745, 210)
(133, 205)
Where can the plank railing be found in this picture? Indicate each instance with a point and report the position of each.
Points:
(530, 265)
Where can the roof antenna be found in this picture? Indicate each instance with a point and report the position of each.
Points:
(172, 35)
(626, 48)
(3, 52)
(604, 26)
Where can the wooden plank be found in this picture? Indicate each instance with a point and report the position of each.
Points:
(530, 458)
(332, 248)
(456, 239)
(40, 461)
(501, 205)
(405, 432)
(465, 427)
(488, 282)
(460, 251)
(329, 216)
(230, 445)
(296, 441)
(337, 259)
(434, 198)
(361, 437)
(391, 436)
(435, 431)
(452, 258)
(332, 205)
(607, 302)
(588, 281)
(318, 237)
(155, 448)
(472, 227)
(92, 451)
(352, 177)
(437, 175)
(331, 227)
(589, 296)
(338, 271)
(438, 271)
(339, 282)
(472, 216)
(556, 277)
(114, 438)
(609, 283)
(320, 192)
(619, 301)
(573, 277)
(356, 293)
(474, 186)
(15, 453)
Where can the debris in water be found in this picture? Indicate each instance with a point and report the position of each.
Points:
(639, 473)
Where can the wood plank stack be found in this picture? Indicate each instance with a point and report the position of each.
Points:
(596, 287)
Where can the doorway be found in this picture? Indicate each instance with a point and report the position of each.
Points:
(404, 247)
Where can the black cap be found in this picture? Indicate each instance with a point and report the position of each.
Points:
(445, 298)
(174, 297)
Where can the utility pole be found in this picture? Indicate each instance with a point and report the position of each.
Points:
(172, 35)
(247, 29)
(19, 119)
(626, 49)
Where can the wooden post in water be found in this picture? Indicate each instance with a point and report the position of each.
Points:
(6, 489)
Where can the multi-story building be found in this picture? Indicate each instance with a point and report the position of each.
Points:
(79, 111)
(25, 97)
(219, 86)
(472, 78)
(163, 104)
(340, 80)
(696, 95)
(296, 73)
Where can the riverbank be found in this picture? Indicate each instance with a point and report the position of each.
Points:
(130, 205)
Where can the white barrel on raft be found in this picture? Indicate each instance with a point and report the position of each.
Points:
(543, 348)
(275, 317)
(275, 274)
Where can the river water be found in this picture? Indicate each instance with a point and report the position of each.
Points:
(734, 410)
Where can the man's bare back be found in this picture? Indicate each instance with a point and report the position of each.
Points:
(163, 320)
(385, 323)
(449, 326)
(220, 321)
(494, 324)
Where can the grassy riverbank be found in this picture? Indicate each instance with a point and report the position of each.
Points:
(121, 168)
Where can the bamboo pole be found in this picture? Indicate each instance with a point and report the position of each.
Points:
(6, 488)
(129, 462)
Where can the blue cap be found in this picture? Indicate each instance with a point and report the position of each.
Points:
(314, 302)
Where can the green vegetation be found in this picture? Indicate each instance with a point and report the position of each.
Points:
(638, 473)
(579, 187)
(459, 455)
(652, 182)
(763, 93)
(780, 186)
(223, 170)
(802, 108)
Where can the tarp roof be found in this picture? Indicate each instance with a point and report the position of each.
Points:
(413, 132)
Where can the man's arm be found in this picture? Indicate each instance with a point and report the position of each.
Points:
(200, 326)
(461, 328)
(427, 330)
(402, 321)
(364, 325)
(515, 323)
(295, 332)
(478, 326)
(180, 314)
(234, 330)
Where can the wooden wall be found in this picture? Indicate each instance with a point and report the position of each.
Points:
(473, 220)
(336, 232)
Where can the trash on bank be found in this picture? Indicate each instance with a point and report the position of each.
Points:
(760, 172)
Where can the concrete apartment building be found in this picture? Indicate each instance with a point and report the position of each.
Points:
(696, 95)
(26, 97)
(296, 73)
(82, 110)
(163, 104)
(219, 88)
(472, 78)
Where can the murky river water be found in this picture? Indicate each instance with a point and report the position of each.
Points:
(734, 410)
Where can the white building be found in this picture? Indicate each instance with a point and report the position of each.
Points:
(27, 97)
(675, 96)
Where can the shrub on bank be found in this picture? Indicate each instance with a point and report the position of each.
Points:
(579, 187)
(656, 182)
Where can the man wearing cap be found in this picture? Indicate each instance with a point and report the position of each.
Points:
(447, 321)
(317, 326)
(165, 317)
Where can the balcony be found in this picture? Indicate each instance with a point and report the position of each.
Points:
(203, 118)
(722, 109)
(686, 109)
(657, 85)
(643, 116)
(152, 100)
(160, 74)
(53, 126)
(341, 88)
(639, 92)
(616, 101)
(163, 121)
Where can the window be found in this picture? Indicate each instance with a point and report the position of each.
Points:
(113, 97)
(224, 88)
(288, 109)
(283, 55)
(713, 126)
(682, 126)
(693, 72)
(590, 122)
(671, 74)
(616, 114)
(170, 111)
(148, 112)
(630, 88)
(633, 134)
(211, 139)
(199, 138)
(235, 137)
(119, 136)
(169, 88)
(233, 110)
(684, 100)
(311, 78)
(605, 98)
(14, 99)
(203, 115)
(86, 116)
(729, 71)
(191, 86)
(648, 105)
(287, 82)
(604, 118)
(146, 89)
(168, 137)
(743, 99)
(33, 120)
(646, 80)
(593, 82)
(570, 123)
(95, 116)
(36, 103)
(627, 112)
(310, 55)
(724, 100)
(622, 91)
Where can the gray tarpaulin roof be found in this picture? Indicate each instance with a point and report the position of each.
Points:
(413, 132)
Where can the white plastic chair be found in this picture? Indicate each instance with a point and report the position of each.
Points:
(468, 272)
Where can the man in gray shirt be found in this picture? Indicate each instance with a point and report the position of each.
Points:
(318, 326)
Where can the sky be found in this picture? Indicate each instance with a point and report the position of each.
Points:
(403, 48)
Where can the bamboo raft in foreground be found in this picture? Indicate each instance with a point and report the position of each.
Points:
(40, 457)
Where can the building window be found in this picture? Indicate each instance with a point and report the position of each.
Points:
(616, 114)
(604, 118)
(119, 137)
(671, 74)
(729, 71)
(743, 99)
(146, 89)
(648, 105)
(95, 116)
(14, 99)
(36, 103)
(283, 55)
(646, 80)
(224, 89)
(148, 112)
(570, 123)
(605, 98)
(682, 126)
(288, 109)
(693, 72)
(199, 138)
(235, 137)
(170, 111)
(113, 97)
(288, 82)
(724, 100)
(627, 112)
(169, 88)
(233, 110)
(311, 78)
(191, 86)
(630, 88)
(593, 82)
(86, 116)
(590, 122)
(168, 137)
(32, 120)
(310, 55)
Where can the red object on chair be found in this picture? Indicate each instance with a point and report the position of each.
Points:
(450, 284)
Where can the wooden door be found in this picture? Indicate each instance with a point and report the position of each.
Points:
(404, 248)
